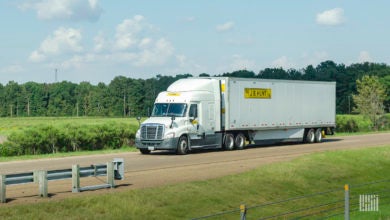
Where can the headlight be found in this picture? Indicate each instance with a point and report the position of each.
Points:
(170, 135)
(138, 134)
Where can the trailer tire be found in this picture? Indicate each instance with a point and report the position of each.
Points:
(318, 135)
(310, 136)
(239, 141)
(182, 145)
(144, 151)
(228, 141)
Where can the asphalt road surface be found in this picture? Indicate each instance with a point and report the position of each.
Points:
(163, 168)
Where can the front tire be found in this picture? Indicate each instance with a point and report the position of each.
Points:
(182, 146)
(144, 151)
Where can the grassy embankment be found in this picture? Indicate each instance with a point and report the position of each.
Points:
(309, 174)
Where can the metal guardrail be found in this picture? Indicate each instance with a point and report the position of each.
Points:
(113, 170)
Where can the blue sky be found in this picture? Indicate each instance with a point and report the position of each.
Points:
(96, 40)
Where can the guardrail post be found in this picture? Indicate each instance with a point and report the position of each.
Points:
(42, 181)
(75, 178)
(242, 212)
(3, 199)
(110, 174)
(35, 176)
(346, 203)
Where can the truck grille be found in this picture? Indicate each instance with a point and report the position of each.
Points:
(152, 131)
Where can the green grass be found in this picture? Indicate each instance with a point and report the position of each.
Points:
(339, 134)
(308, 174)
(9, 125)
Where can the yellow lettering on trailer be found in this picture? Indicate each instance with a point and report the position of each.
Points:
(257, 93)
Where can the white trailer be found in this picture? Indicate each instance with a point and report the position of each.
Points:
(229, 113)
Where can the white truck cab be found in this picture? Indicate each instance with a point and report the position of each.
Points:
(184, 117)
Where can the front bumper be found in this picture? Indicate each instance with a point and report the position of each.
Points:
(165, 144)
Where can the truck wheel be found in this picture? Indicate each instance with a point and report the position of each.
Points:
(144, 151)
(228, 141)
(240, 141)
(310, 136)
(318, 135)
(182, 145)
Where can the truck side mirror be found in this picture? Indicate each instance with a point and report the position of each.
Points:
(172, 119)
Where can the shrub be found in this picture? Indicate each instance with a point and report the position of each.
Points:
(352, 123)
(43, 139)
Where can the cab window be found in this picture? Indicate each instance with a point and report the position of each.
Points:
(193, 111)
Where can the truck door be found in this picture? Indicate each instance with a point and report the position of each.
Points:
(195, 129)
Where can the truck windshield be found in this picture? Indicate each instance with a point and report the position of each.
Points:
(169, 109)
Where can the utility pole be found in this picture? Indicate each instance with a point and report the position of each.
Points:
(11, 109)
(28, 107)
(349, 104)
(124, 105)
(55, 75)
(77, 109)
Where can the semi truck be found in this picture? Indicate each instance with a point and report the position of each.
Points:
(230, 113)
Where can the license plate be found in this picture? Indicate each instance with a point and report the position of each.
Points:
(150, 148)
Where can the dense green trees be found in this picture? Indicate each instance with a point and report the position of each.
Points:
(125, 96)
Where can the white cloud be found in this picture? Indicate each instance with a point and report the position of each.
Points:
(12, 69)
(283, 62)
(185, 65)
(242, 41)
(127, 32)
(313, 58)
(190, 19)
(62, 41)
(76, 10)
(157, 55)
(134, 44)
(241, 63)
(100, 42)
(364, 56)
(331, 17)
(225, 27)
(145, 43)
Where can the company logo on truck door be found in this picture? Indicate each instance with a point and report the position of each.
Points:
(257, 93)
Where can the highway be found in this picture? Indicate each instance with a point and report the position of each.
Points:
(163, 168)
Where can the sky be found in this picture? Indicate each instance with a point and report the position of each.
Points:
(95, 40)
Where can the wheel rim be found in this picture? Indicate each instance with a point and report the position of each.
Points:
(183, 145)
(229, 141)
(240, 140)
(310, 136)
(319, 135)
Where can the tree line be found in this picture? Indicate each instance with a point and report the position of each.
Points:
(129, 97)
